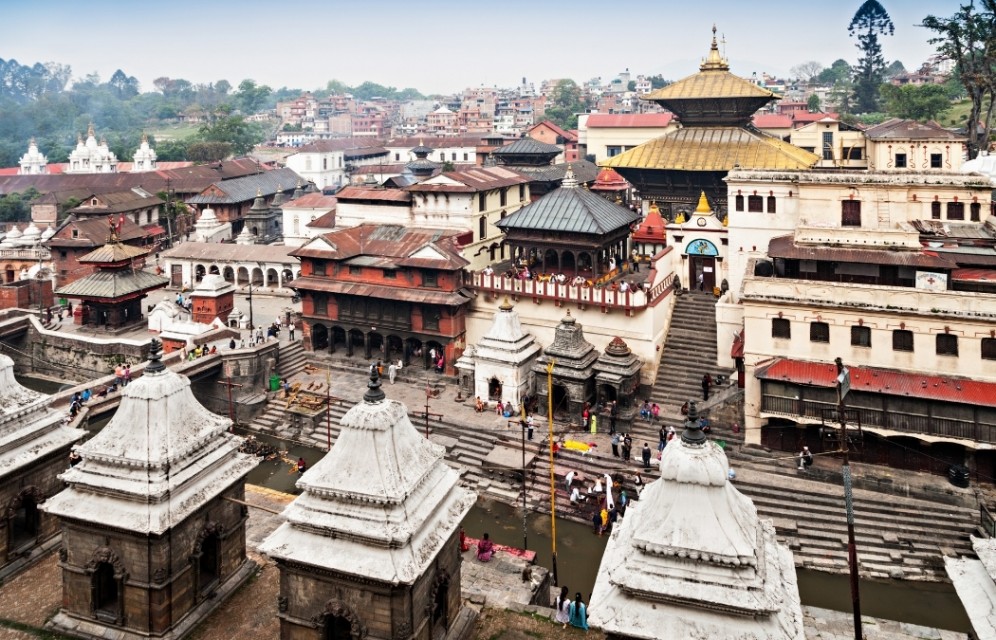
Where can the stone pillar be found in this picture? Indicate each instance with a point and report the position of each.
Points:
(366, 345)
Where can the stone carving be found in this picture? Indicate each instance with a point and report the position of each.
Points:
(337, 609)
(159, 575)
(105, 554)
(440, 582)
(403, 631)
(34, 493)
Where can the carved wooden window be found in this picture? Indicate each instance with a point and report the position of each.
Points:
(755, 204)
(318, 267)
(781, 328)
(956, 211)
(947, 344)
(772, 204)
(738, 203)
(902, 340)
(935, 210)
(819, 332)
(975, 211)
(861, 336)
(850, 213)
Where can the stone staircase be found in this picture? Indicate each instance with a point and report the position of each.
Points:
(291, 359)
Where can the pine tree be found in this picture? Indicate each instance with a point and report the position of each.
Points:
(870, 21)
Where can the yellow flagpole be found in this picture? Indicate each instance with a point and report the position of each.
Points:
(553, 482)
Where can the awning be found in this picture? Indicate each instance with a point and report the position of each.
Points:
(883, 381)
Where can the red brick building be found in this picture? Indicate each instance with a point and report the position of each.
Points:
(384, 292)
(77, 237)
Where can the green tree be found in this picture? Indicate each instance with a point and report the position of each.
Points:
(170, 150)
(894, 69)
(16, 207)
(251, 97)
(566, 101)
(925, 102)
(870, 21)
(124, 86)
(208, 151)
(839, 71)
(232, 130)
(807, 71)
(813, 103)
(969, 38)
(658, 81)
(631, 85)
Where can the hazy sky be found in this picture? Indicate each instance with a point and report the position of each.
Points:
(440, 46)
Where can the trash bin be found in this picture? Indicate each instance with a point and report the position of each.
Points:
(958, 475)
(274, 383)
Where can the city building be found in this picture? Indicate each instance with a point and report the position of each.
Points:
(153, 529)
(137, 204)
(76, 237)
(232, 199)
(307, 216)
(385, 292)
(606, 135)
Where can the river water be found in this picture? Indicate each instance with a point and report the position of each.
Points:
(579, 551)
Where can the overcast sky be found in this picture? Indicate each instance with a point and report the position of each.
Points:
(441, 46)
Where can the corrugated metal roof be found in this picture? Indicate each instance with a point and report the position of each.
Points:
(114, 252)
(244, 189)
(974, 275)
(116, 202)
(898, 129)
(584, 171)
(714, 149)
(109, 285)
(570, 210)
(449, 298)
(400, 244)
(315, 200)
(883, 381)
(94, 232)
(326, 221)
(785, 247)
(527, 146)
(471, 180)
(224, 252)
(366, 193)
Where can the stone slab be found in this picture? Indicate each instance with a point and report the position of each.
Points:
(506, 457)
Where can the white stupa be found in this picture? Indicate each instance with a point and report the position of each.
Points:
(245, 237)
(33, 162)
(144, 158)
(31, 236)
(209, 229)
(504, 354)
(692, 559)
(91, 156)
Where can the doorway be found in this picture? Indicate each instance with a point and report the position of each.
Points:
(494, 389)
(704, 266)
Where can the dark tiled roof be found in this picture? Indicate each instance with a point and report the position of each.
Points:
(316, 200)
(367, 290)
(112, 284)
(326, 221)
(367, 193)
(570, 210)
(584, 171)
(527, 146)
(94, 232)
(340, 144)
(114, 252)
(244, 189)
(398, 245)
(472, 179)
(117, 202)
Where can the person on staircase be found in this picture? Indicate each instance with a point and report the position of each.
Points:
(706, 384)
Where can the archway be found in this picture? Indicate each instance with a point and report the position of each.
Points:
(338, 338)
(199, 272)
(319, 337)
(213, 269)
(413, 350)
(228, 274)
(395, 348)
(242, 276)
(606, 394)
(209, 562)
(337, 628)
(286, 275)
(257, 276)
(272, 279)
(578, 264)
(355, 340)
(376, 344)
(494, 389)
(551, 261)
(24, 521)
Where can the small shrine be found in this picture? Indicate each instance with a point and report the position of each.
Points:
(33, 162)
(651, 236)
(34, 447)
(112, 296)
(213, 297)
(570, 231)
(153, 532)
(617, 375)
(209, 228)
(144, 158)
(700, 242)
(499, 364)
(611, 186)
(421, 167)
(372, 555)
(263, 221)
(693, 560)
(534, 159)
(573, 371)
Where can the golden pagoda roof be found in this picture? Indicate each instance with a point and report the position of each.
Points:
(713, 80)
(713, 149)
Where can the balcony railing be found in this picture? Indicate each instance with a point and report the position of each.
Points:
(892, 420)
(581, 294)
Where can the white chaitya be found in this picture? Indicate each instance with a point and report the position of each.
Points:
(692, 559)
(380, 505)
(209, 229)
(144, 158)
(33, 162)
(161, 458)
(92, 157)
(502, 359)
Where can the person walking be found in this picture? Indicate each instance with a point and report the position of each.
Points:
(562, 605)
(706, 383)
(615, 444)
(646, 456)
(627, 447)
(127, 375)
(662, 439)
(529, 427)
(578, 613)
(290, 331)
(392, 370)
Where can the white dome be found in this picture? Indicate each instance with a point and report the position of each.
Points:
(32, 232)
(14, 233)
(47, 233)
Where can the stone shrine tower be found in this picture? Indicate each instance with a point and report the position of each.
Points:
(500, 362)
(573, 370)
(213, 297)
(152, 538)
(34, 447)
(693, 560)
(371, 548)
(33, 162)
(144, 158)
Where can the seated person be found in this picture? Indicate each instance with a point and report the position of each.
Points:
(478, 405)
(485, 549)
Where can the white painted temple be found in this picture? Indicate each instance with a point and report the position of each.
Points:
(501, 361)
(692, 559)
